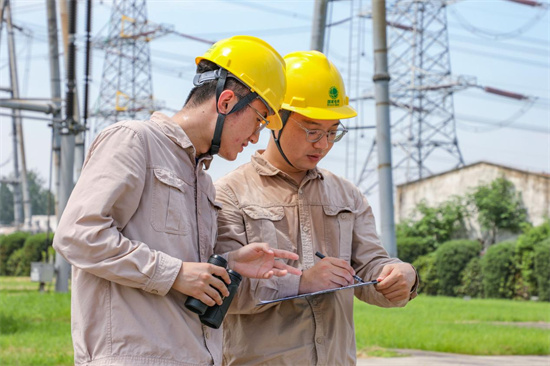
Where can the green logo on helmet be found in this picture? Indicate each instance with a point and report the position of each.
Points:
(333, 94)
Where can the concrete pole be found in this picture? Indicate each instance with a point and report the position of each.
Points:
(55, 89)
(319, 24)
(63, 269)
(27, 209)
(381, 80)
(63, 145)
(17, 204)
(64, 6)
(67, 144)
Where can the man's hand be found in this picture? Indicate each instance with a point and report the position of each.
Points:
(396, 281)
(326, 274)
(197, 280)
(257, 260)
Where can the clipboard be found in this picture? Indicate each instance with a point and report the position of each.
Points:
(264, 302)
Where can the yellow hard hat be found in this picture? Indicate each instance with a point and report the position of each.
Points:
(315, 87)
(255, 63)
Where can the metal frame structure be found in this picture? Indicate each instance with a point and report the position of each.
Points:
(126, 85)
(421, 91)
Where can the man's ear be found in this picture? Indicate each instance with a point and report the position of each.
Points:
(226, 101)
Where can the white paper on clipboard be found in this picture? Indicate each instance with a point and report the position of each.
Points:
(263, 302)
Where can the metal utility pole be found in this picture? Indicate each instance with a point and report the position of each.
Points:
(126, 90)
(423, 122)
(319, 24)
(18, 128)
(64, 10)
(381, 80)
(68, 131)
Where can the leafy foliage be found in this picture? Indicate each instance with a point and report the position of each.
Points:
(8, 245)
(542, 269)
(6, 202)
(526, 284)
(426, 271)
(471, 280)
(410, 248)
(440, 223)
(450, 260)
(41, 198)
(499, 270)
(499, 207)
(35, 249)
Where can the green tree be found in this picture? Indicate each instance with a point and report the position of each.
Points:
(6, 204)
(499, 206)
(441, 223)
(40, 197)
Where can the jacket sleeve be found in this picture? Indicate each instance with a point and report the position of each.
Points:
(232, 236)
(105, 198)
(368, 255)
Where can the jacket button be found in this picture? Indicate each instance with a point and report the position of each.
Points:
(319, 340)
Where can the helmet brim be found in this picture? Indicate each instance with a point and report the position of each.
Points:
(343, 112)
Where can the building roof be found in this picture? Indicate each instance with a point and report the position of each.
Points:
(541, 174)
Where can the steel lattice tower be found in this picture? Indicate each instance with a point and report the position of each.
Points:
(126, 85)
(423, 129)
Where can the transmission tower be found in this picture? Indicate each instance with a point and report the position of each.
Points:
(126, 85)
(421, 90)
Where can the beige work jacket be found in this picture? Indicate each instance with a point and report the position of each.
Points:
(141, 206)
(324, 213)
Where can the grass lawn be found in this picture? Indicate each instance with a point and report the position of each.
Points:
(446, 324)
(35, 327)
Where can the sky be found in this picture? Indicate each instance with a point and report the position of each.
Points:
(495, 43)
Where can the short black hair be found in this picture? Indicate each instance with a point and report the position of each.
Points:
(207, 90)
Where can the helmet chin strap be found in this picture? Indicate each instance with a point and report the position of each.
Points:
(284, 117)
(221, 75)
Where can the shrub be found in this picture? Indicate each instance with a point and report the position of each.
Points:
(10, 244)
(526, 283)
(499, 270)
(542, 269)
(35, 249)
(428, 280)
(410, 248)
(450, 260)
(471, 280)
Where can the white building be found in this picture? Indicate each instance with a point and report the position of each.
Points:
(438, 188)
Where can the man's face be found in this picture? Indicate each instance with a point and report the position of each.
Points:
(303, 154)
(241, 128)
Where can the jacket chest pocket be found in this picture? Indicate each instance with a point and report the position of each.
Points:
(339, 223)
(170, 207)
(263, 224)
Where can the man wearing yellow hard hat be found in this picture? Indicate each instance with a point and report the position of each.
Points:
(141, 221)
(283, 198)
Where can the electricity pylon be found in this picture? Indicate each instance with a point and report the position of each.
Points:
(421, 91)
(126, 85)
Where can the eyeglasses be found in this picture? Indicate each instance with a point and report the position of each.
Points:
(264, 122)
(316, 135)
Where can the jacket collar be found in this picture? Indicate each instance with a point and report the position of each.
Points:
(175, 133)
(264, 167)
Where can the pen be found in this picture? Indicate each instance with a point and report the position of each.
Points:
(357, 278)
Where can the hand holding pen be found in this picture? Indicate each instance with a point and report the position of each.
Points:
(357, 278)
